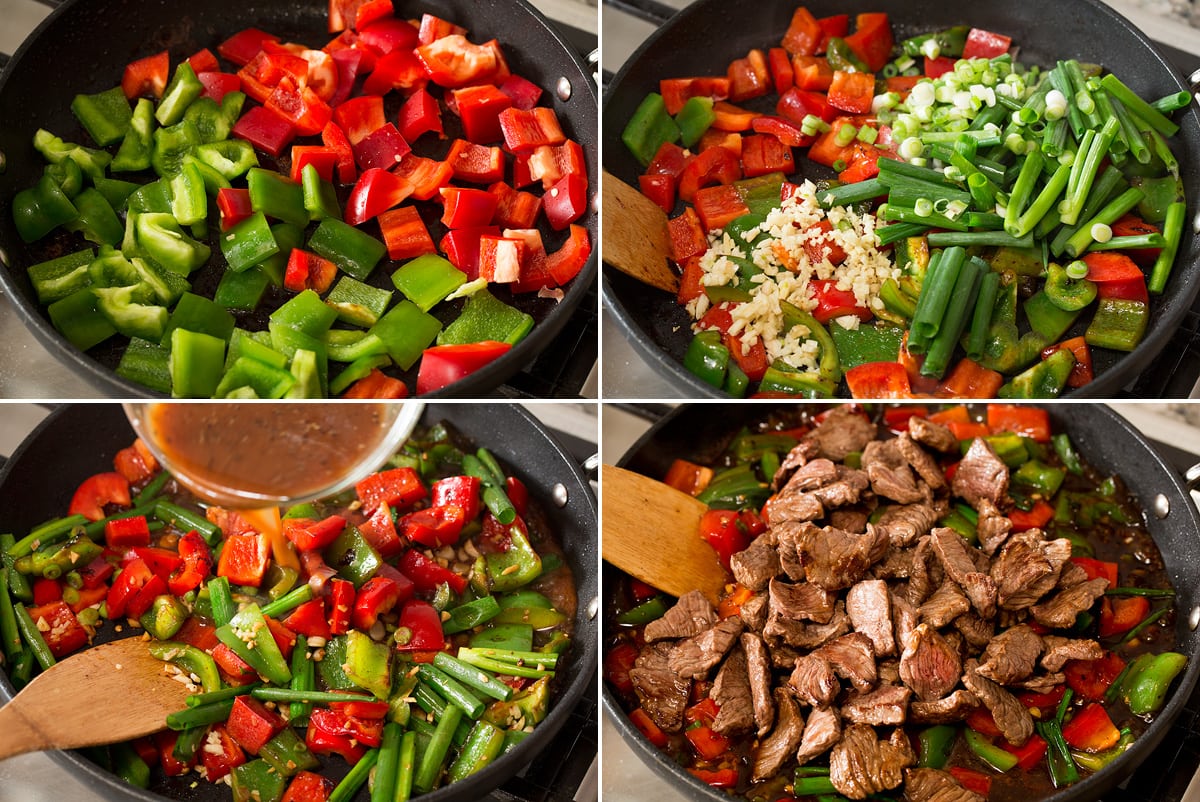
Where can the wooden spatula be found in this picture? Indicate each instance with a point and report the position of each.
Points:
(635, 235)
(651, 531)
(112, 693)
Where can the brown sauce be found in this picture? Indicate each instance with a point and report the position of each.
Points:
(288, 450)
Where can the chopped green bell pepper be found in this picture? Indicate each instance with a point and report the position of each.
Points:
(649, 128)
(288, 754)
(265, 380)
(347, 345)
(188, 195)
(367, 664)
(353, 557)
(152, 197)
(807, 384)
(355, 252)
(1118, 324)
(231, 157)
(184, 88)
(359, 368)
(257, 781)
(68, 176)
(40, 209)
(248, 243)
(485, 317)
(288, 237)
(1046, 379)
(55, 279)
(250, 638)
(828, 367)
(738, 288)
(320, 196)
(210, 121)
(165, 617)
(104, 115)
(164, 241)
(125, 310)
(707, 358)
(146, 363)
(96, 221)
(138, 144)
(199, 314)
(53, 149)
(276, 196)
(1065, 292)
(168, 287)
(114, 190)
(427, 279)
(195, 364)
(696, 117)
(171, 145)
(77, 317)
(406, 331)
(359, 304)
(307, 373)
(307, 313)
(242, 290)
(191, 659)
(867, 343)
(518, 566)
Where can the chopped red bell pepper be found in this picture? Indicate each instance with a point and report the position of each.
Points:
(659, 188)
(972, 780)
(461, 247)
(130, 463)
(363, 710)
(477, 164)
(467, 208)
(420, 114)
(670, 160)
(252, 724)
(383, 148)
(749, 77)
(445, 364)
(97, 492)
(434, 526)
(424, 623)
(96, 573)
(782, 75)
(566, 201)
(1091, 729)
(244, 45)
(332, 136)
(715, 207)
(147, 76)
(985, 44)
(377, 384)
(127, 532)
(359, 117)
(434, 28)
(376, 191)
(388, 34)
(565, 263)
(804, 34)
(617, 664)
(427, 176)
(730, 118)
(837, 25)
(1092, 678)
(1121, 614)
(322, 157)
(811, 73)
(300, 106)
(514, 208)
(722, 529)
(518, 494)
(203, 60)
(1036, 518)
(713, 166)
(708, 744)
(405, 234)
(500, 259)
(46, 591)
(1081, 371)
(452, 61)
(377, 596)
(427, 574)
(234, 670)
(380, 532)
(641, 719)
(234, 206)
(526, 130)
(677, 91)
(309, 535)
(309, 620)
(308, 271)
(852, 91)
(762, 154)
(220, 754)
(797, 104)
(524, 93)
(372, 10)
(969, 379)
(397, 487)
(782, 129)
(1098, 569)
(171, 765)
(879, 380)
(833, 302)
(460, 491)
(341, 605)
(244, 559)
(1116, 276)
(265, 129)
(480, 108)
(195, 566)
(872, 40)
(307, 786)
(535, 271)
(937, 67)
(328, 734)
(1027, 421)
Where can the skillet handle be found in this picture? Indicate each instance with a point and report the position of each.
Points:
(1192, 477)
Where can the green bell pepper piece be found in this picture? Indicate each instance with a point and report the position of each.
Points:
(195, 364)
(357, 303)
(867, 343)
(114, 190)
(428, 279)
(935, 744)
(306, 312)
(121, 306)
(257, 781)
(331, 669)
(146, 363)
(649, 128)
(1048, 320)
(761, 193)
(360, 368)
(214, 182)
(168, 287)
(307, 373)
(1157, 196)
(1005, 350)
(248, 243)
(807, 384)
(696, 117)
(191, 659)
(367, 664)
(250, 638)
(1046, 379)
(288, 341)
(165, 617)
(355, 252)
(266, 380)
(171, 145)
(78, 318)
(129, 766)
(105, 115)
(895, 301)
(188, 196)
(739, 227)
(353, 557)
(287, 237)
(485, 317)
(287, 753)
(138, 144)
(950, 42)
(152, 197)
(231, 158)
(40, 209)
(707, 357)
(199, 314)
(828, 367)
(1145, 691)
(55, 279)
(67, 175)
(518, 566)
(276, 196)
(841, 57)
(347, 345)
(256, 345)
(1118, 324)
(242, 290)
(184, 88)
(320, 196)
(407, 332)
(210, 121)
(96, 219)
(1067, 293)
(53, 149)
(999, 759)
(164, 241)
(736, 381)
(517, 637)
(738, 289)
(1038, 476)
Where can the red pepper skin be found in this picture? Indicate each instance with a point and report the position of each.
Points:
(131, 463)
(677, 91)
(46, 591)
(804, 33)
(196, 565)
(641, 719)
(308, 271)
(461, 247)
(309, 535)
(97, 492)
(713, 166)
(1092, 678)
(244, 559)
(879, 380)
(467, 208)
(434, 526)
(423, 621)
(434, 28)
(722, 530)
(203, 60)
(1020, 419)
(244, 45)
(526, 130)
(300, 106)
(515, 209)
(319, 156)
(385, 35)
(377, 596)
(985, 44)
(155, 586)
(96, 573)
(384, 147)
(265, 129)
(329, 734)
(872, 40)
(398, 488)
(617, 664)
(524, 93)
(146, 76)
(518, 494)
(234, 670)
(161, 562)
(1098, 569)
(566, 201)
(399, 69)
(221, 754)
(234, 205)
(380, 532)
(284, 638)
(341, 603)
(359, 117)
(332, 136)
(171, 765)
(451, 61)
(660, 189)
(1091, 729)
(460, 491)
(782, 75)
(426, 175)
(832, 302)
(480, 108)
(565, 263)
(308, 787)
(852, 91)
(127, 532)
(252, 724)
(405, 234)
(749, 77)
(377, 191)
(131, 580)
(309, 620)
(198, 633)
(972, 780)
(477, 164)
(500, 258)
(419, 115)
(426, 575)
(1119, 615)
(444, 364)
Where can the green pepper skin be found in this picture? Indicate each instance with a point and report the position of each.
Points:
(518, 566)
(1146, 689)
(40, 209)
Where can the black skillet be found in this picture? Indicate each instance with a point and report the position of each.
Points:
(84, 46)
(700, 433)
(1084, 29)
(75, 442)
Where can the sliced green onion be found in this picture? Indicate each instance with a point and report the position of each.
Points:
(1077, 269)
(1102, 232)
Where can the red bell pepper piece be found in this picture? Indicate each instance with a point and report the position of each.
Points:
(1026, 421)
(708, 744)
(460, 491)
(518, 494)
(526, 130)
(398, 487)
(467, 208)
(131, 579)
(332, 136)
(1121, 614)
(359, 117)
(140, 602)
(879, 380)
(203, 60)
(442, 365)
(405, 234)
(985, 44)
(1116, 275)
(730, 118)
(1091, 729)
(524, 93)
(341, 604)
(617, 664)
(194, 567)
(937, 67)
(96, 573)
(677, 91)
(350, 62)
(322, 157)
(833, 302)
(308, 787)
(566, 201)
(127, 532)
(500, 259)
(713, 166)
(377, 384)
(308, 271)
(1092, 678)
(1041, 514)
(244, 559)
(427, 574)
(364, 710)
(88, 598)
(130, 463)
(480, 108)
(1046, 703)
(669, 160)
(371, 11)
(424, 623)
(265, 129)
(782, 129)
(514, 208)
(46, 591)
(389, 34)
(715, 207)
(783, 77)
(659, 188)
(688, 477)
(234, 670)
(376, 191)
(244, 45)
(565, 263)
(300, 106)
(383, 148)
(972, 780)
(427, 176)
(377, 596)
(97, 492)
(434, 526)
(309, 535)
(284, 638)
(309, 620)
(811, 73)
(477, 164)
(461, 247)
(641, 719)
(420, 114)
(147, 76)
(434, 28)
(326, 736)
(252, 724)
(234, 205)
(852, 91)
(969, 379)
(380, 532)
(804, 33)
(872, 40)
(749, 77)
(722, 530)
(1081, 371)
(1098, 569)
(220, 754)
(171, 765)
(837, 25)
(762, 154)
(451, 61)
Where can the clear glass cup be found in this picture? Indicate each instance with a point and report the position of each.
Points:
(399, 420)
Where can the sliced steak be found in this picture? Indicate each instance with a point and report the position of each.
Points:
(977, 632)
(808, 636)
(992, 528)
(798, 457)
(814, 682)
(821, 732)
(849, 520)
(881, 452)
(934, 785)
(753, 612)
(662, 693)
(778, 747)
(695, 657)
(1028, 568)
(1011, 656)
(1071, 576)
(812, 475)
(896, 565)
(869, 606)
(842, 433)
(929, 664)
(861, 764)
(785, 507)
(801, 602)
(980, 475)
(907, 522)
(1062, 609)
(758, 671)
(853, 658)
(898, 484)
(925, 574)
(1041, 684)
(959, 562)
(887, 704)
(934, 435)
(731, 692)
(690, 616)
(1056, 651)
(788, 537)
(756, 565)
(835, 559)
(847, 490)
(945, 605)
(921, 462)
(906, 617)
(1012, 718)
(954, 707)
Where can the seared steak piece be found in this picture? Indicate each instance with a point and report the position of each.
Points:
(753, 612)
(695, 657)
(905, 523)
(861, 764)
(842, 433)
(1028, 568)
(896, 565)
(804, 601)
(811, 476)
(906, 618)
(925, 465)
(898, 484)
(1012, 655)
(731, 692)
(758, 670)
(814, 682)
(954, 707)
(882, 452)
(845, 491)
(992, 528)
(783, 657)
(798, 457)
(788, 538)
(887, 704)
(960, 566)
(823, 730)
(934, 435)
(1013, 719)
(929, 664)
(778, 747)
(786, 506)
(1062, 609)
(1041, 684)
(1057, 651)
(947, 604)
(662, 693)
(870, 609)
(925, 573)
(975, 630)
(691, 615)
(1072, 575)
(934, 785)
(755, 566)
(808, 636)
(853, 659)
(853, 521)
(980, 475)
(835, 559)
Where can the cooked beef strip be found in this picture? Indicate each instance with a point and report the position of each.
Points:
(778, 747)
(992, 528)
(887, 704)
(661, 692)
(896, 565)
(925, 573)
(841, 433)
(954, 707)
(934, 435)
(907, 522)
(798, 457)
(691, 615)
(808, 636)
(821, 732)
(1071, 576)
(947, 604)
(835, 559)
(853, 658)
(882, 452)
(695, 657)
(847, 490)
(753, 612)
(905, 617)
(1060, 611)
(960, 565)
(1027, 568)
(754, 566)
(861, 764)
(758, 670)
(929, 664)
(787, 507)
(1011, 656)
(888, 671)
(1058, 650)
(811, 476)
(869, 606)
(934, 785)
(814, 682)
(1041, 684)
(921, 462)
(898, 484)
(783, 657)
(800, 602)
(853, 521)
(980, 475)
(1012, 717)
(977, 631)
(731, 692)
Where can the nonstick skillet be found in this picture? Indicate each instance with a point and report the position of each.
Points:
(704, 37)
(700, 432)
(84, 46)
(75, 442)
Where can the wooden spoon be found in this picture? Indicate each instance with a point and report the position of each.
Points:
(112, 693)
(651, 531)
(635, 235)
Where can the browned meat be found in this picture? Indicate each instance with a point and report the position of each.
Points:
(929, 664)
(754, 566)
(980, 475)
(803, 451)
(905, 617)
(976, 631)
(1057, 651)
(661, 692)
(785, 507)
(812, 475)
(845, 491)
(1012, 718)
(925, 574)
(898, 484)
(887, 704)
(691, 615)
(853, 659)
(778, 747)
(861, 764)
(1028, 568)
(842, 433)
(870, 609)
(1062, 609)
(814, 682)
(1071, 576)
(934, 785)
(934, 435)
(788, 538)
(921, 462)
(854, 521)
(882, 452)
(947, 604)
(1041, 684)
(905, 523)
(835, 559)
(1012, 655)
(754, 612)
(959, 561)
(889, 671)
(801, 602)
(954, 707)
(808, 636)
(823, 730)
(758, 670)
(695, 657)
(731, 692)
(783, 657)
(896, 565)
(992, 527)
